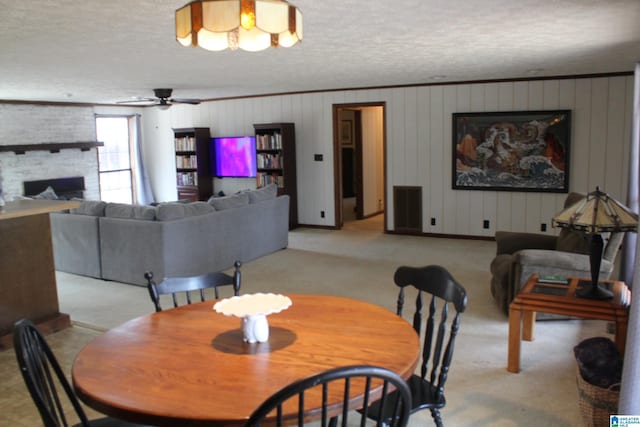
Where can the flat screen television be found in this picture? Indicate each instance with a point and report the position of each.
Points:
(234, 156)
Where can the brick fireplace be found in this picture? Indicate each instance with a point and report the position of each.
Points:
(31, 125)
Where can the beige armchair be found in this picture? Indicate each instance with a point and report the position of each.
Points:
(519, 255)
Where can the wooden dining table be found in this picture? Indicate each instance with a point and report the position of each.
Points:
(189, 366)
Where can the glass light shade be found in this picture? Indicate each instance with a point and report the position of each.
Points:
(250, 25)
(247, 14)
(293, 34)
(253, 40)
(220, 15)
(287, 39)
(210, 40)
(272, 16)
(597, 213)
(183, 25)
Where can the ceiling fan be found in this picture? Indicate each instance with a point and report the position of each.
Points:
(162, 99)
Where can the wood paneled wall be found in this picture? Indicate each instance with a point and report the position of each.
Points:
(418, 145)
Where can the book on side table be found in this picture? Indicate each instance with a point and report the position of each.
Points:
(553, 278)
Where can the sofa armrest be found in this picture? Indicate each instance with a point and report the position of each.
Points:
(76, 244)
(510, 242)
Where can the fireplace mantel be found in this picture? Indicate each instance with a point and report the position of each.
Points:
(54, 147)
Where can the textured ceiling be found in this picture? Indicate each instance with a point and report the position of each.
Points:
(106, 51)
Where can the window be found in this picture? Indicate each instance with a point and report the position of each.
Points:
(115, 165)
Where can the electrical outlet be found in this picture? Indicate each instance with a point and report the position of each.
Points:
(543, 227)
(433, 221)
(317, 157)
(485, 224)
(321, 214)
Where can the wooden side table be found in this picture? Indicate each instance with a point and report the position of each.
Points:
(560, 299)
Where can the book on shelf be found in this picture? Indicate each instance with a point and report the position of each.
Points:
(269, 161)
(269, 141)
(187, 178)
(264, 179)
(185, 143)
(186, 161)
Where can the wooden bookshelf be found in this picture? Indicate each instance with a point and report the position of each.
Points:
(276, 162)
(193, 172)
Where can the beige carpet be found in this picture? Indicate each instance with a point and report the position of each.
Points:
(359, 262)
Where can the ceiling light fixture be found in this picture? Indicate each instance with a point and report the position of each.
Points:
(251, 25)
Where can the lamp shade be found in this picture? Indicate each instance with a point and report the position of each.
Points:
(597, 213)
(250, 25)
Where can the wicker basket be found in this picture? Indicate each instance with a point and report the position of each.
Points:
(596, 403)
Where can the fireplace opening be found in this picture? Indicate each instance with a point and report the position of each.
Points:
(65, 188)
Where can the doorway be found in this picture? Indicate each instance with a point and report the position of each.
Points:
(359, 168)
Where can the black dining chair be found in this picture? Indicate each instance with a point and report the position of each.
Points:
(439, 334)
(186, 285)
(47, 383)
(349, 382)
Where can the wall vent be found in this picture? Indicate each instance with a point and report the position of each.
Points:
(407, 209)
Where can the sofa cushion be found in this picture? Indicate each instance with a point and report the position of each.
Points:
(144, 212)
(90, 207)
(197, 208)
(169, 211)
(265, 193)
(230, 202)
(118, 210)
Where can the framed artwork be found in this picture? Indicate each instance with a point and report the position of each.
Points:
(512, 151)
(346, 133)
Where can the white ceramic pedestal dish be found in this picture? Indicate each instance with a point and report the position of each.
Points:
(253, 309)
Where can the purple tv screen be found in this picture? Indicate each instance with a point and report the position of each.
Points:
(234, 156)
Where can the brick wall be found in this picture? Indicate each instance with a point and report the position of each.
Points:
(36, 124)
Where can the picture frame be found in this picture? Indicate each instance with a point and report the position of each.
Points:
(512, 151)
(346, 133)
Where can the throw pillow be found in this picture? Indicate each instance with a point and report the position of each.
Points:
(265, 193)
(47, 194)
(230, 202)
(118, 210)
(90, 207)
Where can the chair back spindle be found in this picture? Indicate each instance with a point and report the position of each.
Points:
(394, 391)
(186, 285)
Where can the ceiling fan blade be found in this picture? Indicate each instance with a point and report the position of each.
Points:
(136, 101)
(185, 101)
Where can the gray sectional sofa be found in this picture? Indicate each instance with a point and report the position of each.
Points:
(120, 242)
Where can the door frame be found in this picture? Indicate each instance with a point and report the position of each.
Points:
(337, 160)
